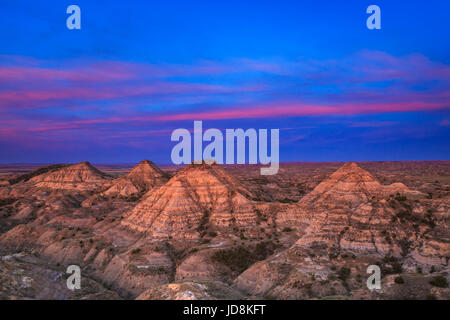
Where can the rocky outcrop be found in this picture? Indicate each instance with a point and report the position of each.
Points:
(317, 247)
(211, 290)
(26, 277)
(142, 178)
(350, 220)
(350, 186)
(350, 210)
(197, 198)
(80, 176)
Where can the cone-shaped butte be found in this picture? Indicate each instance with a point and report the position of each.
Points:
(197, 198)
(77, 176)
(350, 185)
(142, 178)
(348, 211)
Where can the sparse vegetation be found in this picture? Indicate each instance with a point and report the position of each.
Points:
(400, 198)
(399, 280)
(286, 200)
(390, 265)
(136, 251)
(241, 245)
(344, 273)
(240, 258)
(439, 281)
(7, 201)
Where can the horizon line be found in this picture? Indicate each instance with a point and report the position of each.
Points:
(224, 164)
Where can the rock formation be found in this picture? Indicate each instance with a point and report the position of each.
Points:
(142, 178)
(318, 246)
(350, 220)
(351, 186)
(81, 176)
(350, 210)
(199, 197)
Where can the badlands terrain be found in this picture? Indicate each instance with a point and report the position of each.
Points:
(225, 232)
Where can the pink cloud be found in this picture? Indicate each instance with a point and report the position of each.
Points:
(296, 109)
(273, 111)
(112, 92)
(27, 98)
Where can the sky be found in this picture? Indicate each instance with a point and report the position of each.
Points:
(114, 91)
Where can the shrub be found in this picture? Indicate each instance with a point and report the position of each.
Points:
(287, 229)
(136, 251)
(439, 281)
(287, 200)
(344, 273)
(213, 234)
(390, 265)
(237, 259)
(399, 280)
(397, 267)
(240, 258)
(262, 250)
(358, 278)
(5, 202)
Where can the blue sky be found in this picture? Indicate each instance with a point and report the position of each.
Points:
(114, 90)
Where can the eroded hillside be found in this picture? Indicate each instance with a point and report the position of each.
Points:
(213, 232)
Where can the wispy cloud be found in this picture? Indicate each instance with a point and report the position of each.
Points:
(42, 99)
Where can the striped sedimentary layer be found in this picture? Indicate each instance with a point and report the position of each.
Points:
(197, 198)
